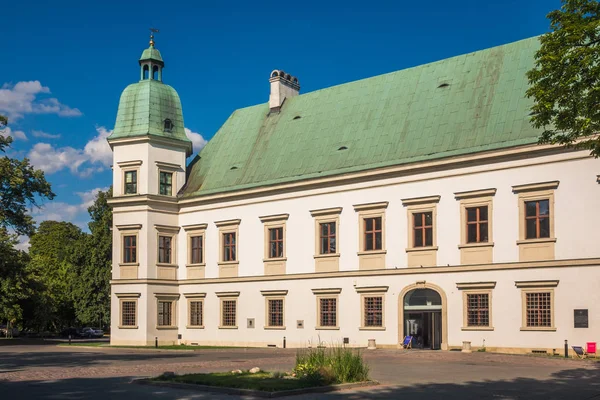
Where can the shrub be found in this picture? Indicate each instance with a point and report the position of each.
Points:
(331, 365)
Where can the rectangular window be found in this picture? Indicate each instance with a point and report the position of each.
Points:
(164, 249)
(276, 242)
(373, 311)
(229, 246)
(196, 249)
(128, 313)
(373, 234)
(423, 229)
(327, 238)
(196, 313)
(328, 311)
(130, 182)
(537, 219)
(275, 310)
(129, 249)
(477, 224)
(166, 183)
(165, 314)
(478, 309)
(538, 309)
(229, 311)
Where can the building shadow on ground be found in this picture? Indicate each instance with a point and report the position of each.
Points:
(576, 384)
(12, 361)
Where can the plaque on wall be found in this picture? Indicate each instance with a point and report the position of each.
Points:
(581, 318)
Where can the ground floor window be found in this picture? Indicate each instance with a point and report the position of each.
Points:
(478, 309)
(328, 311)
(275, 312)
(196, 313)
(538, 309)
(373, 311)
(128, 312)
(229, 313)
(165, 313)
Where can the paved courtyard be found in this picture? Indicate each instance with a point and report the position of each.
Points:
(45, 371)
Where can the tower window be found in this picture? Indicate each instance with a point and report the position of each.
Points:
(166, 183)
(146, 71)
(168, 125)
(130, 182)
(155, 72)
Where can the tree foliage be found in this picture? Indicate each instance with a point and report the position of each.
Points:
(13, 279)
(55, 253)
(21, 186)
(565, 81)
(92, 290)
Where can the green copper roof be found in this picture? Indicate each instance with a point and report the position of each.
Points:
(151, 53)
(465, 104)
(143, 109)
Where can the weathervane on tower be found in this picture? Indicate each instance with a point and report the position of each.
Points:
(152, 32)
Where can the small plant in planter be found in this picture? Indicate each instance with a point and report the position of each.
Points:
(331, 365)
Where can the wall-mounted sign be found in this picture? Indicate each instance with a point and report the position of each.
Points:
(581, 318)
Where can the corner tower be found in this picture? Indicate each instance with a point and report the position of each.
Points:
(150, 148)
(149, 130)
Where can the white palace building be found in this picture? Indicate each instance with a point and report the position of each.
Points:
(412, 203)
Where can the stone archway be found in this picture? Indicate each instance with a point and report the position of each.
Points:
(423, 285)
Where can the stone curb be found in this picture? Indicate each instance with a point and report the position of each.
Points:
(257, 393)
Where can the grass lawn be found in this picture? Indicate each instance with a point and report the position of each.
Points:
(172, 347)
(263, 381)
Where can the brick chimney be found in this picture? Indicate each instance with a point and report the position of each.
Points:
(283, 85)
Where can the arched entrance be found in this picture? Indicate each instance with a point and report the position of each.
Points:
(423, 314)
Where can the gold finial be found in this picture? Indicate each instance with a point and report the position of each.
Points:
(152, 32)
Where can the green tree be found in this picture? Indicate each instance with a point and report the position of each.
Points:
(565, 81)
(92, 291)
(55, 253)
(13, 279)
(21, 186)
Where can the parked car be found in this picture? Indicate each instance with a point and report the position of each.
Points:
(4, 331)
(73, 332)
(92, 332)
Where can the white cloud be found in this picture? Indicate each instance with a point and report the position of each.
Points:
(56, 211)
(49, 159)
(61, 211)
(98, 149)
(22, 98)
(23, 243)
(17, 135)
(94, 157)
(45, 135)
(198, 142)
(88, 198)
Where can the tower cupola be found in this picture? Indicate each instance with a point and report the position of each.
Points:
(151, 62)
(149, 108)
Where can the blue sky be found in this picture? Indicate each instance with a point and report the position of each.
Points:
(65, 63)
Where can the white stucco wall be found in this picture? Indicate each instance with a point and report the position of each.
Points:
(577, 186)
(577, 228)
(577, 289)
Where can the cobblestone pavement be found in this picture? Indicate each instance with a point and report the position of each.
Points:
(51, 372)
